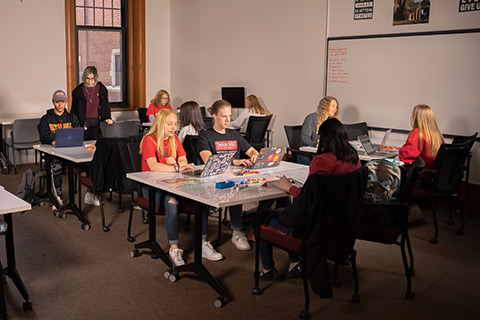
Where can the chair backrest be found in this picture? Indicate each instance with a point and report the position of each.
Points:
(354, 130)
(25, 131)
(294, 136)
(135, 156)
(208, 122)
(120, 129)
(409, 179)
(190, 146)
(256, 130)
(466, 161)
(203, 111)
(142, 115)
(447, 164)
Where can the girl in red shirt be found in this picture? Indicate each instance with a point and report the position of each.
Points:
(159, 102)
(162, 152)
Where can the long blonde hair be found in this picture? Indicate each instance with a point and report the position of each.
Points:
(423, 119)
(254, 106)
(158, 130)
(322, 110)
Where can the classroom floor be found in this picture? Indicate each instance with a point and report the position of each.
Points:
(75, 274)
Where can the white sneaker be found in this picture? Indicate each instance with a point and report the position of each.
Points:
(92, 199)
(240, 241)
(209, 253)
(177, 257)
(415, 213)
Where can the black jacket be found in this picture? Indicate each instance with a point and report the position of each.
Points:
(79, 104)
(51, 122)
(326, 214)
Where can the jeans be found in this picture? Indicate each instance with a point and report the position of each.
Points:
(236, 221)
(57, 169)
(171, 210)
(303, 159)
(266, 249)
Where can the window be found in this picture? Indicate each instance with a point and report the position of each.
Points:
(110, 35)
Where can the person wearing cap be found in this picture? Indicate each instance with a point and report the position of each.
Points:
(56, 118)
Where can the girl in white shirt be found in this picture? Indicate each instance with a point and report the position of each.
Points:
(190, 119)
(252, 108)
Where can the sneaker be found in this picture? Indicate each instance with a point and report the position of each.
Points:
(295, 272)
(92, 199)
(415, 213)
(209, 253)
(177, 257)
(240, 241)
(137, 207)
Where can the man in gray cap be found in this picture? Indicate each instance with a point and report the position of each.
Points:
(56, 118)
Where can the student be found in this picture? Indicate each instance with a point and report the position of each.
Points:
(90, 105)
(334, 156)
(159, 102)
(424, 141)
(162, 152)
(252, 108)
(191, 120)
(220, 139)
(56, 118)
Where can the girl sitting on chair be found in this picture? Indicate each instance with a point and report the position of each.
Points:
(190, 119)
(162, 152)
(159, 102)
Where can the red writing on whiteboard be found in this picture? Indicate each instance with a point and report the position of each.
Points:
(337, 56)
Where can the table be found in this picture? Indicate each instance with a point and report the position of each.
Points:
(73, 155)
(361, 155)
(10, 203)
(203, 191)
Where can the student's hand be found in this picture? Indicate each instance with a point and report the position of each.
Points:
(109, 121)
(284, 184)
(53, 143)
(254, 158)
(189, 167)
(171, 161)
(242, 162)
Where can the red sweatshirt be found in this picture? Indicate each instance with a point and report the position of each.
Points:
(411, 150)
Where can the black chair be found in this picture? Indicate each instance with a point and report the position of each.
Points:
(328, 225)
(208, 122)
(142, 115)
(190, 146)
(448, 162)
(203, 111)
(294, 138)
(387, 222)
(120, 129)
(256, 130)
(354, 130)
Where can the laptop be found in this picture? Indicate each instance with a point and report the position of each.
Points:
(370, 149)
(384, 140)
(216, 164)
(69, 137)
(269, 157)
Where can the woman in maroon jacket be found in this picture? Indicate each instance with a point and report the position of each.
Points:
(335, 156)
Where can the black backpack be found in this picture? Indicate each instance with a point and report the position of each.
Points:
(32, 186)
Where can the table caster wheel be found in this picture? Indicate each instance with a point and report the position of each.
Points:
(135, 253)
(85, 226)
(304, 314)
(173, 276)
(167, 273)
(131, 239)
(154, 256)
(121, 210)
(62, 215)
(257, 291)
(356, 298)
(145, 221)
(27, 305)
(219, 302)
(106, 229)
(410, 295)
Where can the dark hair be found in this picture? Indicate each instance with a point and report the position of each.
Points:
(190, 114)
(217, 105)
(334, 139)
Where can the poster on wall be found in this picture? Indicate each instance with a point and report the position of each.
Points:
(468, 5)
(363, 10)
(410, 12)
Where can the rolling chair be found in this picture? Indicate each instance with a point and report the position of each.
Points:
(294, 138)
(208, 122)
(142, 115)
(24, 136)
(354, 130)
(256, 130)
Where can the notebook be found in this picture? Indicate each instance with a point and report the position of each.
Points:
(371, 151)
(69, 137)
(216, 164)
(269, 157)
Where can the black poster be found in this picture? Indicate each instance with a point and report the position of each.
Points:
(363, 10)
(468, 5)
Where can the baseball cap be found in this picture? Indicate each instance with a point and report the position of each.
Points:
(59, 95)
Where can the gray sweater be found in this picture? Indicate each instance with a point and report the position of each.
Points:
(309, 130)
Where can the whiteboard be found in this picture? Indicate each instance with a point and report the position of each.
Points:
(380, 79)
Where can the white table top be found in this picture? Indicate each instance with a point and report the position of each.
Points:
(203, 189)
(361, 156)
(10, 203)
(74, 154)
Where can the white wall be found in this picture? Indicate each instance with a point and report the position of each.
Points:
(275, 49)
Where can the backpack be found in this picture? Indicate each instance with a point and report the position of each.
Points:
(383, 181)
(31, 186)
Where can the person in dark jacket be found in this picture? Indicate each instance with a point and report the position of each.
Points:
(90, 104)
(56, 118)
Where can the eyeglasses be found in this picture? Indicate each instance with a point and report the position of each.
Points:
(164, 98)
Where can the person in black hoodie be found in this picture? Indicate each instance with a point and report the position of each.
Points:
(56, 118)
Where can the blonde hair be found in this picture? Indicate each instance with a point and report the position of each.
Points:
(423, 119)
(157, 100)
(254, 106)
(158, 130)
(322, 110)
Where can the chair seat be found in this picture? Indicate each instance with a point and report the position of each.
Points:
(281, 239)
(375, 234)
(26, 145)
(418, 193)
(86, 181)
